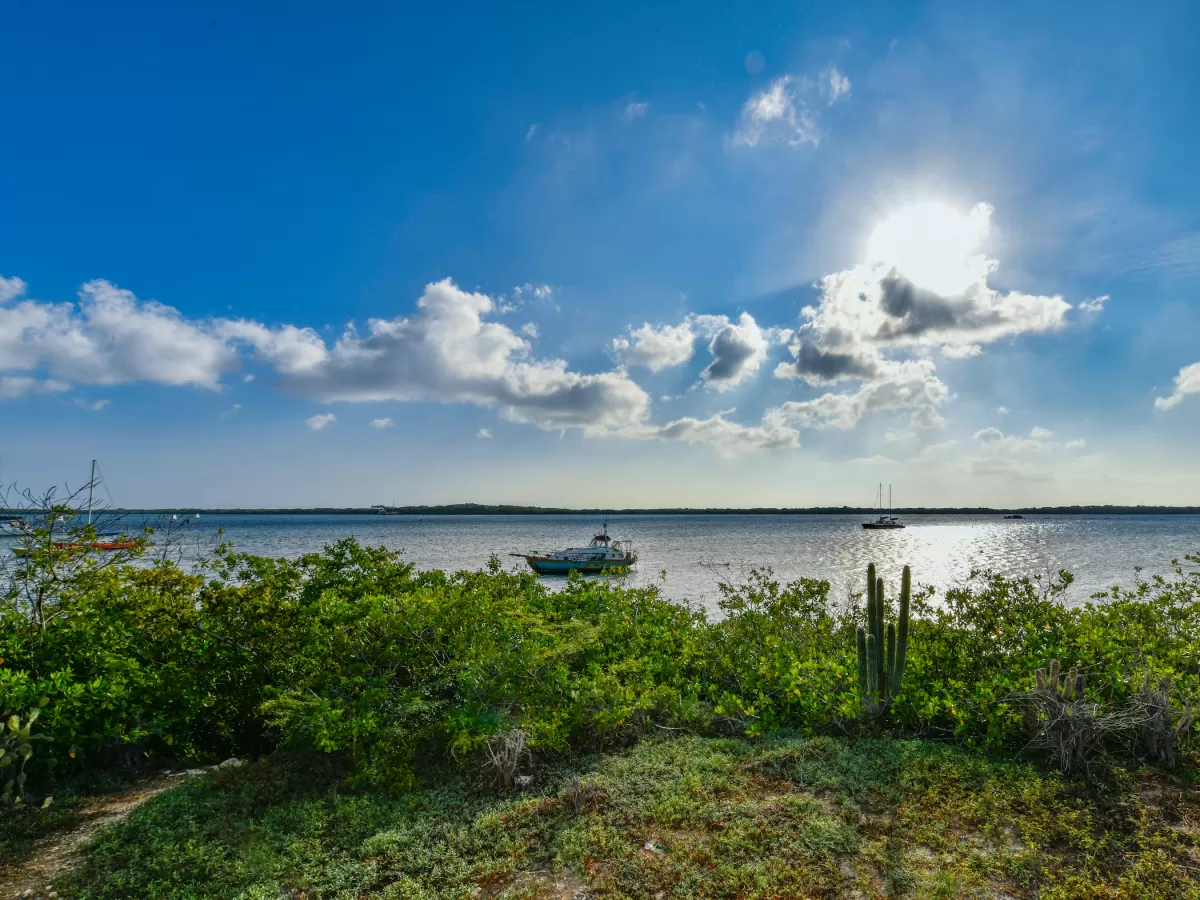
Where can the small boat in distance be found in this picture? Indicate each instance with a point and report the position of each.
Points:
(601, 555)
(105, 541)
(884, 522)
(1015, 516)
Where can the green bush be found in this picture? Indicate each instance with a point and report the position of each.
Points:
(354, 652)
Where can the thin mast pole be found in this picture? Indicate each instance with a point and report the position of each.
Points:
(91, 488)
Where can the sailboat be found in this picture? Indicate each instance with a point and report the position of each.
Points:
(106, 541)
(884, 521)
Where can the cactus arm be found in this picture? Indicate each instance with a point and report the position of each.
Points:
(902, 629)
(880, 674)
(890, 685)
(872, 668)
(864, 687)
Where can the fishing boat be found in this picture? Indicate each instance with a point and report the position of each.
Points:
(885, 521)
(1015, 516)
(601, 555)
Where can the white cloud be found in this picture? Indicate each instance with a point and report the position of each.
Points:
(448, 352)
(248, 378)
(97, 406)
(1186, 382)
(634, 110)
(1002, 467)
(834, 85)
(1039, 439)
(869, 314)
(11, 288)
(320, 421)
(738, 352)
(1090, 310)
(289, 349)
(380, 424)
(777, 113)
(727, 437)
(961, 351)
(908, 386)
(656, 347)
(1000, 450)
(1002, 410)
(531, 132)
(110, 337)
(483, 434)
(13, 387)
(530, 329)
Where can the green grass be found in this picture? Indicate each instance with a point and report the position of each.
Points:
(778, 817)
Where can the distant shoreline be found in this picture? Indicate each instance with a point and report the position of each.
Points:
(477, 509)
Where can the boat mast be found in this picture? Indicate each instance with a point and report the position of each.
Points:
(91, 488)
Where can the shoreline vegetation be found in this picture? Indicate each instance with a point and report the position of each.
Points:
(484, 509)
(402, 733)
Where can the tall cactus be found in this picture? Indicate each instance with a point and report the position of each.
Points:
(882, 649)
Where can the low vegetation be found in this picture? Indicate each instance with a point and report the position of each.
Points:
(398, 679)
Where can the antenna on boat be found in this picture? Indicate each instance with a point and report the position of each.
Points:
(889, 498)
(91, 489)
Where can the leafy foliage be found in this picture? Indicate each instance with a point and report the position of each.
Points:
(354, 652)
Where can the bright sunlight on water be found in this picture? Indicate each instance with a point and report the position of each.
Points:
(697, 550)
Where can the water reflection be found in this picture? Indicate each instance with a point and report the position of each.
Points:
(696, 550)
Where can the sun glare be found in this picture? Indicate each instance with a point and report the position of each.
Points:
(933, 244)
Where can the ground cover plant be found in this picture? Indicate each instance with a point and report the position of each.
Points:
(779, 816)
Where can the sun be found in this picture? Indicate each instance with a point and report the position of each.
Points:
(933, 244)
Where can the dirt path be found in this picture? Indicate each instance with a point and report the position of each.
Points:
(55, 855)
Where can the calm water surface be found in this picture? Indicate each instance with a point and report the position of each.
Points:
(697, 551)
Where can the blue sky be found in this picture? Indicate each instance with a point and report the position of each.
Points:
(602, 254)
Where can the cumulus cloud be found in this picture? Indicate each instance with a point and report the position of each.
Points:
(448, 352)
(110, 337)
(634, 110)
(777, 113)
(320, 421)
(738, 351)
(483, 434)
(96, 406)
(907, 386)
(1186, 382)
(380, 424)
(868, 315)
(726, 436)
(656, 347)
(13, 387)
(11, 288)
(530, 329)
